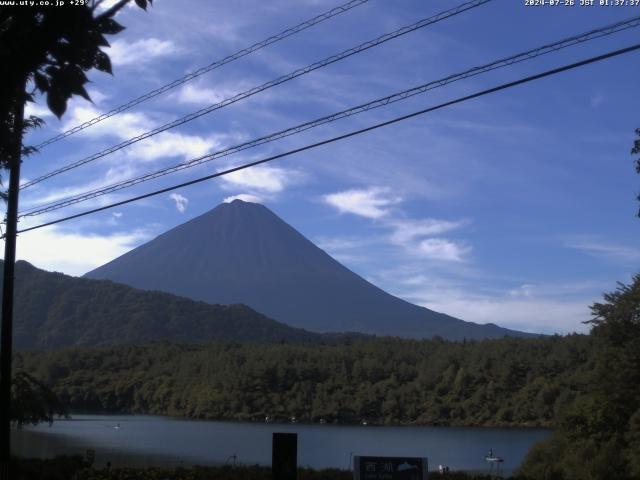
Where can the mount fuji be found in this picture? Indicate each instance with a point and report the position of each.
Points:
(242, 252)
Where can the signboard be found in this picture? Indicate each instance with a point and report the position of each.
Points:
(390, 468)
(284, 456)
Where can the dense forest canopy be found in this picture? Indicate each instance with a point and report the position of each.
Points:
(387, 381)
(598, 435)
(32, 402)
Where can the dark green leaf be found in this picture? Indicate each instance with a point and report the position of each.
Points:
(142, 4)
(70, 81)
(99, 40)
(28, 150)
(41, 81)
(57, 103)
(51, 70)
(109, 26)
(32, 122)
(102, 62)
(80, 90)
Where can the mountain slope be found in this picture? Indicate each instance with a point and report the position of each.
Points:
(243, 253)
(53, 310)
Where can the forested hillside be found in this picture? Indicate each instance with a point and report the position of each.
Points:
(53, 310)
(598, 436)
(496, 382)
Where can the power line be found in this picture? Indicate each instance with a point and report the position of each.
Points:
(248, 93)
(380, 102)
(590, 35)
(212, 66)
(503, 86)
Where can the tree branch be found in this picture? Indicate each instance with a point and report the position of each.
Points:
(113, 10)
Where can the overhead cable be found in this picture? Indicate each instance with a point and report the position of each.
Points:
(248, 93)
(380, 102)
(212, 66)
(503, 86)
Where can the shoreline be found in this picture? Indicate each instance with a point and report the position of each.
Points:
(147, 441)
(283, 421)
(28, 468)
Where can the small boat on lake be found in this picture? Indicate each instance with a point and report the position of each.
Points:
(492, 460)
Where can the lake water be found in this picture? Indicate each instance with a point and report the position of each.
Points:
(147, 440)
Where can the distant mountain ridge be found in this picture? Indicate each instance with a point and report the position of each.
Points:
(242, 252)
(53, 310)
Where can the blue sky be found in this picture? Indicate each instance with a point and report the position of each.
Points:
(515, 208)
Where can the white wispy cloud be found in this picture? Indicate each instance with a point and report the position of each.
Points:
(415, 236)
(407, 230)
(107, 4)
(245, 197)
(337, 244)
(122, 126)
(198, 95)
(373, 202)
(527, 310)
(536, 316)
(263, 178)
(611, 251)
(180, 201)
(194, 95)
(127, 125)
(525, 290)
(53, 249)
(442, 249)
(36, 109)
(40, 194)
(114, 219)
(170, 144)
(97, 96)
(141, 51)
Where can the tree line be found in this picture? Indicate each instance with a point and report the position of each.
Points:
(598, 435)
(506, 382)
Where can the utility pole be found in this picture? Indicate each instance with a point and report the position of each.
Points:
(6, 329)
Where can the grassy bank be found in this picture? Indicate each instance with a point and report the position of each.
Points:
(73, 468)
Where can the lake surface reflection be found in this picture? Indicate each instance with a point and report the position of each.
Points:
(146, 440)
